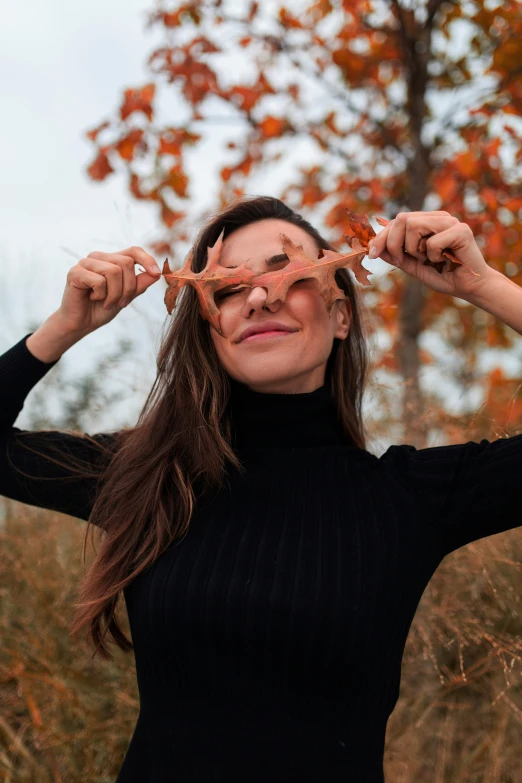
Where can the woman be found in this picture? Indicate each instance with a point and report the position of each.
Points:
(271, 566)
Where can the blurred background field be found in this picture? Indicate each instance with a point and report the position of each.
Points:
(159, 114)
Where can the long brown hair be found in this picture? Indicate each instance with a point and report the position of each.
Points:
(153, 473)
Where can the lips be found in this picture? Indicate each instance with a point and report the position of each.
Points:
(267, 326)
(264, 335)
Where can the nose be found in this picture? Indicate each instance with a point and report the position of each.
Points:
(256, 300)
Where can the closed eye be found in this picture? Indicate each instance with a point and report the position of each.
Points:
(223, 295)
(226, 294)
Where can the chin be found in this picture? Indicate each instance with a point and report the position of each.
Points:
(259, 377)
(269, 375)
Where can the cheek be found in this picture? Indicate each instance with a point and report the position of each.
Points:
(224, 351)
(229, 321)
(308, 307)
(220, 343)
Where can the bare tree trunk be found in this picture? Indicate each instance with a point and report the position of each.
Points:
(412, 401)
(416, 42)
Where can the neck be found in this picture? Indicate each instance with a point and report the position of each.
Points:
(291, 385)
(279, 420)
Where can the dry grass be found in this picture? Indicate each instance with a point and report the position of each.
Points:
(65, 717)
(459, 715)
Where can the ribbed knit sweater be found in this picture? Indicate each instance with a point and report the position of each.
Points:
(268, 642)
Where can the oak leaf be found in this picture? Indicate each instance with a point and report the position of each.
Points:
(323, 269)
(271, 127)
(93, 134)
(138, 100)
(207, 282)
(100, 168)
(215, 277)
(126, 145)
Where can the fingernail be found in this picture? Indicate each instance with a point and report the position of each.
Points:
(373, 252)
(156, 270)
(124, 303)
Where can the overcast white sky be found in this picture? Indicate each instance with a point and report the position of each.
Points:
(62, 68)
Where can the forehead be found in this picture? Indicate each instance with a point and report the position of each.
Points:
(259, 240)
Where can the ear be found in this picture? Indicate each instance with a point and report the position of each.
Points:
(344, 318)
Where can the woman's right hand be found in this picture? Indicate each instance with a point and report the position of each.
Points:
(98, 285)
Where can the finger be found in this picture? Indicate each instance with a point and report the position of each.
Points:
(79, 277)
(412, 241)
(452, 238)
(384, 253)
(113, 273)
(421, 226)
(140, 256)
(378, 243)
(144, 281)
(409, 265)
(395, 240)
(390, 253)
(127, 265)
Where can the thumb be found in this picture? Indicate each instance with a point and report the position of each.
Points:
(145, 280)
(408, 265)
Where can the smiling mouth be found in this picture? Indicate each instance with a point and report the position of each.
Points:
(266, 335)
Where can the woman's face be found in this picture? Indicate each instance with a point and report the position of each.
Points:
(292, 362)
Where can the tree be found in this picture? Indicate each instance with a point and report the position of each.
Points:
(359, 86)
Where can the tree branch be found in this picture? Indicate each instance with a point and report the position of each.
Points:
(333, 90)
(432, 8)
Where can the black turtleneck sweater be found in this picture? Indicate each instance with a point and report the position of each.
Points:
(268, 642)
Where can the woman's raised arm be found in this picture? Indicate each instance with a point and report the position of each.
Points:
(45, 468)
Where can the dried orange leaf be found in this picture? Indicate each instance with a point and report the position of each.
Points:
(359, 228)
(207, 282)
(323, 268)
(302, 266)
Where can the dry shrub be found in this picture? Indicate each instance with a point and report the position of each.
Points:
(63, 716)
(459, 715)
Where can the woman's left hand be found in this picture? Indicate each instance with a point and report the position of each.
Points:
(413, 237)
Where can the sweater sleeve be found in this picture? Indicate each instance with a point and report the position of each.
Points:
(468, 491)
(32, 478)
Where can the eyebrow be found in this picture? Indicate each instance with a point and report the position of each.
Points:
(272, 261)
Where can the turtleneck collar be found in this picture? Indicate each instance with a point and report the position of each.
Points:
(264, 420)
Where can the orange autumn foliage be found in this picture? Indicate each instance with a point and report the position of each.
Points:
(324, 75)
